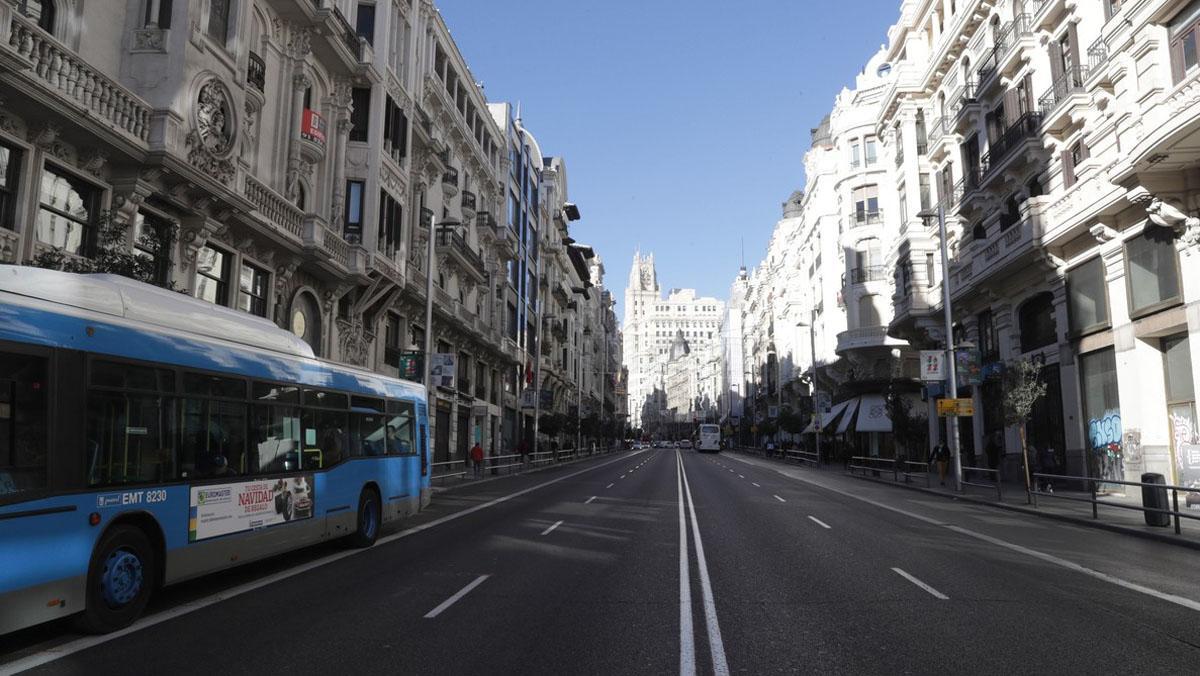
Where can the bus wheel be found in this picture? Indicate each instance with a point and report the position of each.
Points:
(368, 519)
(119, 581)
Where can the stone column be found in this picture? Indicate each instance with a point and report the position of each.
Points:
(300, 83)
(341, 109)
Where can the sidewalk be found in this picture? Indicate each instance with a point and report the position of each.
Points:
(1064, 505)
(499, 467)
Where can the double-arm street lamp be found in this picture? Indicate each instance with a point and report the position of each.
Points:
(948, 315)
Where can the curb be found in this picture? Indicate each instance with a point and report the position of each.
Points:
(1078, 521)
(464, 484)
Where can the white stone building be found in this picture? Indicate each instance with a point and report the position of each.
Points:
(651, 325)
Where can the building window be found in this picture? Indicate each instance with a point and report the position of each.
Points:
(39, 11)
(390, 225)
(1152, 270)
(395, 130)
(163, 20)
(365, 24)
(926, 199)
(1087, 296)
(855, 155)
(360, 115)
(866, 204)
(1101, 400)
(354, 211)
(868, 312)
(68, 211)
(1037, 325)
(989, 345)
(869, 150)
(10, 172)
(152, 236)
(254, 284)
(218, 20)
(1184, 39)
(212, 275)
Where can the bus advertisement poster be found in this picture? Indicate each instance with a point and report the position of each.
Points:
(222, 509)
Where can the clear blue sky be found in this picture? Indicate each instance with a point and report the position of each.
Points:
(683, 124)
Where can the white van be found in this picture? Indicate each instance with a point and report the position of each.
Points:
(709, 438)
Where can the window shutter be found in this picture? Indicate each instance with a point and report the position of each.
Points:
(1029, 102)
(1068, 169)
(1056, 64)
(1077, 75)
(1012, 107)
(1177, 61)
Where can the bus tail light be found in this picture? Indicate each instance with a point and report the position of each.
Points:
(94, 518)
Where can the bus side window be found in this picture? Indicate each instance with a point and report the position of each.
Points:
(131, 438)
(23, 396)
(213, 438)
(326, 437)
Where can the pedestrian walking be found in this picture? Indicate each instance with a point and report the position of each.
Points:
(477, 459)
(941, 456)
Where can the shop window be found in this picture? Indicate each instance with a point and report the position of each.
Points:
(254, 285)
(1087, 296)
(10, 173)
(212, 275)
(1152, 270)
(68, 211)
(1037, 325)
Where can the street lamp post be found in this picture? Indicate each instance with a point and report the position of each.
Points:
(812, 346)
(429, 248)
(948, 315)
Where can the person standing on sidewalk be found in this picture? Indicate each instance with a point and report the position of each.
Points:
(477, 460)
(941, 456)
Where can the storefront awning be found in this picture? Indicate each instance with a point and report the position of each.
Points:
(872, 414)
(848, 416)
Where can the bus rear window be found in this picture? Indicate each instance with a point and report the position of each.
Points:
(23, 398)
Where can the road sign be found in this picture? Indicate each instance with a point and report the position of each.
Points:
(933, 365)
(955, 407)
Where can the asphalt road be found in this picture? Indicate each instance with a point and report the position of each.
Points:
(579, 570)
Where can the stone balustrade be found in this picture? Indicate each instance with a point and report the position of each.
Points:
(59, 69)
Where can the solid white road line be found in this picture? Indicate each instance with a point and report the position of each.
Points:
(687, 646)
(58, 652)
(716, 646)
(780, 499)
(755, 485)
(935, 593)
(454, 599)
(556, 525)
(1190, 604)
(589, 500)
(819, 522)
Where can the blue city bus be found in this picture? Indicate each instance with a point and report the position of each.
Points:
(147, 437)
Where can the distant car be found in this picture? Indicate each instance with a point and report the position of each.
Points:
(686, 443)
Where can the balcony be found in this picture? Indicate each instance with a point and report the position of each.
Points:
(450, 182)
(1018, 36)
(275, 209)
(1047, 13)
(963, 102)
(1098, 61)
(1002, 252)
(862, 275)
(256, 74)
(1026, 128)
(939, 138)
(865, 338)
(468, 204)
(313, 130)
(50, 69)
(1064, 94)
(451, 243)
(864, 218)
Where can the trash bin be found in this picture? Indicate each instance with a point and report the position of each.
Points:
(1155, 497)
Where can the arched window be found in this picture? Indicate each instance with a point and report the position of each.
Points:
(39, 11)
(1037, 325)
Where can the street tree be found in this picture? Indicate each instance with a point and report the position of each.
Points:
(1023, 387)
